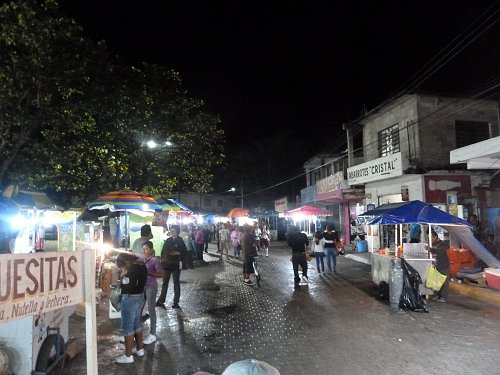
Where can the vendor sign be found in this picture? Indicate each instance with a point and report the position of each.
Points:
(32, 284)
(386, 167)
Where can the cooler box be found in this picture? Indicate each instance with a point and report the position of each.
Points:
(493, 277)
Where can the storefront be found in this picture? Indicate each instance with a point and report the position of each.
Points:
(335, 195)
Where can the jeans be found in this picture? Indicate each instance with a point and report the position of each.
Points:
(151, 291)
(176, 275)
(236, 251)
(331, 258)
(299, 259)
(131, 309)
(320, 263)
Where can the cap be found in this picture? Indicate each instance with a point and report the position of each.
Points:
(250, 367)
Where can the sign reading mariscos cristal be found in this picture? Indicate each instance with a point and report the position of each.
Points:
(34, 283)
(377, 169)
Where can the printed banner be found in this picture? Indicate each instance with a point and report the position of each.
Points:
(34, 283)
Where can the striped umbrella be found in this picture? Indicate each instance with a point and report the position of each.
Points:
(125, 200)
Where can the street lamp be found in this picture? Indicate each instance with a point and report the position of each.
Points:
(153, 144)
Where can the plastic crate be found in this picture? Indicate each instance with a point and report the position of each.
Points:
(493, 278)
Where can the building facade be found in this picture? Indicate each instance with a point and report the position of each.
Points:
(400, 151)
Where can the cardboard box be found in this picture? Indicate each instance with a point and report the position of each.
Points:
(493, 278)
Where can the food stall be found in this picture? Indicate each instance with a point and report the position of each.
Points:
(40, 285)
(414, 212)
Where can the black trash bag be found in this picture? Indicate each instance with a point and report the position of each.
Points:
(411, 299)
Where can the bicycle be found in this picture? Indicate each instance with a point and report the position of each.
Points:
(256, 271)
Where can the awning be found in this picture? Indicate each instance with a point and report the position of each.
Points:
(417, 212)
(413, 212)
(481, 155)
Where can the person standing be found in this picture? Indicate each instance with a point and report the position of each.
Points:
(256, 235)
(249, 253)
(477, 227)
(146, 235)
(440, 250)
(206, 238)
(236, 241)
(134, 275)
(319, 251)
(198, 237)
(154, 270)
(173, 249)
(330, 248)
(188, 260)
(225, 240)
(265, 239)
(415, 232)
(299, 242)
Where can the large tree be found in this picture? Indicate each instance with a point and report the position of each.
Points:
(90, 133)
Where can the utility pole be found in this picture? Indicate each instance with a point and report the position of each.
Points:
(241, 193)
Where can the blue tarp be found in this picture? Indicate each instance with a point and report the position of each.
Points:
(423, 213)
(409, 213)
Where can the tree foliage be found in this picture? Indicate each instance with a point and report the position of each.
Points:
(76, 120)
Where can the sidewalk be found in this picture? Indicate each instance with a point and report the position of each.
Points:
(484, 294)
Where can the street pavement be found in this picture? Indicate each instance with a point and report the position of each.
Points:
(333, 325)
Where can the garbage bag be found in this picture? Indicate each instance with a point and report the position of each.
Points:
(395, 284)
(411, 299)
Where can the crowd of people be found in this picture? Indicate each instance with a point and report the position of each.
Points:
(141, 267)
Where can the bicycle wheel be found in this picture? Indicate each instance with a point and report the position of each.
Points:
(256, 273)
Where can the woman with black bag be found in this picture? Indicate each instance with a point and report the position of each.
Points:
(134, 276)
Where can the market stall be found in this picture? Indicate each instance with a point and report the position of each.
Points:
(37, 304)
(414, 212)
(305, 217)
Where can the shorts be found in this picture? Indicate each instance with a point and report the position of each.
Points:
(131, 309)
(264, 242)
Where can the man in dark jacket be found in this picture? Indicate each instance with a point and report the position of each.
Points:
(174, 249)
(299, 242)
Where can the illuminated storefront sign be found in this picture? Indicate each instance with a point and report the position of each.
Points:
(378, 169)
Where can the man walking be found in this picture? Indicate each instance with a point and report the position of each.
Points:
(249, 253)
(173, 250)
(299, 242)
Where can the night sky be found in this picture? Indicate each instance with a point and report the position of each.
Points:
(265, 66)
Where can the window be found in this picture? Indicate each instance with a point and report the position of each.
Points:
(388, 141)
(469, 132)
(207, 202)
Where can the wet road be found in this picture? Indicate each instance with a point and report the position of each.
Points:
(333, 325)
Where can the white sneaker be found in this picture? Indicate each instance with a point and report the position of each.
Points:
(247, 282)
(122, 339)
(149, 339)
(138, 353)
(305, 279)
(124, 359)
